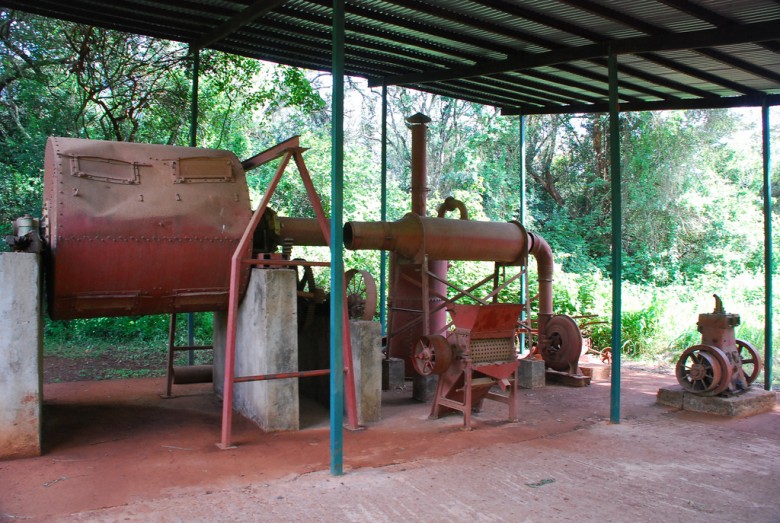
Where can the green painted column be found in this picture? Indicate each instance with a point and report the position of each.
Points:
(383, 217)
(768, 262)
(195, 54)
(617, 237)
(523, 182)
(337, 247)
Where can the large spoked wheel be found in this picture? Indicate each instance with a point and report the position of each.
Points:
(361, 295)
(305, 285)
(703, 369)
(307, 290)
(751, 361)
(432, 355)
(565, 344)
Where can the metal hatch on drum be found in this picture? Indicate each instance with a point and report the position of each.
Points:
(140, 229)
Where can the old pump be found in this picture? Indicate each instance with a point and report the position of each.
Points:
(721, 364)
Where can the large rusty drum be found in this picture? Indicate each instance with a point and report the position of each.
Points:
(140, 229)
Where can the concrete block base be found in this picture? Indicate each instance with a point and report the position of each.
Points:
(530, 374)
(564, 378)
(754, 401)
(366, 338)
(21, 354)
(393, 374)
(596, 371)
(424, 387)
(266, 343)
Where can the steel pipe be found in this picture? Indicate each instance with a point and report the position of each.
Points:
(414, 237)
(302, 231)
(418, 123)
(451, 204)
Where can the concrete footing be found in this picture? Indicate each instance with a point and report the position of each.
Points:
(21, 354)
(366, 338)
(266, 343)
(753, 401)
(393, 374)
(530, 374)
(424, 387)
(596, 371)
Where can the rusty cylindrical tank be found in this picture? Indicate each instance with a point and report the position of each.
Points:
(140, 229)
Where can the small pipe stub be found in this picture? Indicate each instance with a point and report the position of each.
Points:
(718, 305)
(452, 204)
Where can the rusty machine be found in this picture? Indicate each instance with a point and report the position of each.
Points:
(476, 350)
(476, 356)
(133, 229)
(136, 229)
(720, 364)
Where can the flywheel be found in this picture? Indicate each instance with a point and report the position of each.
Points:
(432, 355)
(562, 352)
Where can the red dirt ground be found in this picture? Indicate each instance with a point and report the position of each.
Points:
(118, 443)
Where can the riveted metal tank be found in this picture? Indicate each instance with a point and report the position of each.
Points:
(140, 229)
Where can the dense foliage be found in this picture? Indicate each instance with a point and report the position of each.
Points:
(693, 221)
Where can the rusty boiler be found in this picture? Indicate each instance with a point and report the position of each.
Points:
(721, 364)
(140, 229)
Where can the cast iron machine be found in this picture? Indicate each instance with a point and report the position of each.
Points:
(721, 364)
(479, 352)
(136, 229)
(476, 356)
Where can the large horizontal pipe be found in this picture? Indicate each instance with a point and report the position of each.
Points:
(302, 231)
(414, 236)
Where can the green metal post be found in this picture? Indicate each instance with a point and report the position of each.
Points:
(195, 54)
(337, 247)
(768, 263)
(617, 237)
(383, 217)
(524, 277)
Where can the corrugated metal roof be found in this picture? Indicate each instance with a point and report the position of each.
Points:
(530, 56)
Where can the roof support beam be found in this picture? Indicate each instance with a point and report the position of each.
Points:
(597, 37)
(337, 247)
(383, 217)
(256, 10)
(616, 184)
(195, 55)
(672, 105)
(521, 36)
(523, 298)
(711, 17)
(653, 30)
(768, 262)
(697, 73)
(748, 33)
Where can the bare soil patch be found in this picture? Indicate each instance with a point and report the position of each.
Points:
(115, 450)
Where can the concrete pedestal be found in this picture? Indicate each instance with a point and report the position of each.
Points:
(393, 374)
(530, 374)
(21, 354)
(366, 337)
(424, 387)
(596, 371)
(266, 343)
(753, 401)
